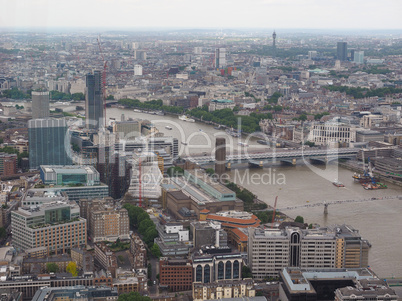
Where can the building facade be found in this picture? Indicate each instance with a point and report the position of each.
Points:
(69, 175)
(40, 104)
(271, 250)
(215, 264)
(56, 226)
(175, 274)
(47, 143)
(8, 164)
(342, 51)
(224, 290)
(94, 106)
(332, 133)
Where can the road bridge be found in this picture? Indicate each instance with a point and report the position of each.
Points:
(289, 157)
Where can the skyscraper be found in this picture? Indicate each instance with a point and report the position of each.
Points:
(359, 57)
(94, 107)
(40, 104)
(220, 57)
(342, 51)
(274, 43)
(46, 142)
(220, 155)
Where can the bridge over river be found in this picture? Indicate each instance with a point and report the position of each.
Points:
(288, 156)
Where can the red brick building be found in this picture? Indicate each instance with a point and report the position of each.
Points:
(175, 274)
(8, 164)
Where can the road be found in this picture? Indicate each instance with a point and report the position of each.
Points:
(154, 289)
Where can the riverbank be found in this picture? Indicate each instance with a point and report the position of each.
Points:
(360, 170)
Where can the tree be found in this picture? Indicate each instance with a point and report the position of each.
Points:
(110, 97)
(52, 267)
(246, 272)
(156, 251)
(3, 232)
(133, 296)
(299, 219)
(144, 225)
(175, 171)
(210, 171)
(72, 268)
(78, 96)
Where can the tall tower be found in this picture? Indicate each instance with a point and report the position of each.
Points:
(220, 57)
(40, 104)
(274, 43)
(342, 51)
(94, 106)
(47, 142)
(220, 155)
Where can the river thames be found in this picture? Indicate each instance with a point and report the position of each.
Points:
(378, 221)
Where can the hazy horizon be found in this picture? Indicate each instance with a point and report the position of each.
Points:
(138, 15)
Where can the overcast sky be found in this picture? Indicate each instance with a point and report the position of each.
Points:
(311, 14)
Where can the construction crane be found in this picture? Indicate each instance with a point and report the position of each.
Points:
(103, 79)
(273, 214)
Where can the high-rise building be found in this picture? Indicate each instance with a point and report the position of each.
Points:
(274, 43)
(137, 70)
(47, 142)
(342, 51)
(55, 225)
(107, 221)
(140, 55)
(40, 104)
(220, 155)
(358, 57)
(220, 57)
(94, 106)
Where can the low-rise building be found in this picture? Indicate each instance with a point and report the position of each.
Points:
(139, 251)
(75, 292)
(332, 284)
(40, 265)
(173, 239)
(271, 250)
(175, 274)
(106, 258)
(212, 264)
(224, 289)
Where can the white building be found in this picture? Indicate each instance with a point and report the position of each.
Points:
(272, 250)
(331, 133)
(137, 70)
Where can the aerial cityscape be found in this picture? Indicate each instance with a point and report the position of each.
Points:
(191, 158)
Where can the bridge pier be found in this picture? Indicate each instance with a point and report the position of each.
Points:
(325, 209)
(259, 164)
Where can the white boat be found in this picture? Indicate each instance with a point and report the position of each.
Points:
(243, 144)
(168, 127)
(136, 110)
(184, 143)
(185, 118)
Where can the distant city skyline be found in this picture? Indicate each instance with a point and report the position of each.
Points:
(314, 14)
